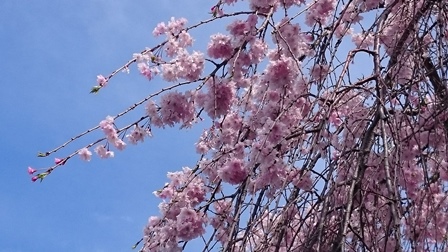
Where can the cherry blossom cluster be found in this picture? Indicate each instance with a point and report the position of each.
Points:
(217, 101)
(175, 107)
(320, 12)
(146, 64)
(180, 220)
(137, 134)
(222, 220)
(292, 42)
(183, 65)
(111, 133)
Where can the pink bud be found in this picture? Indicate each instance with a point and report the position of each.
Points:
(34, 178)
(59, 161)
(31, 170)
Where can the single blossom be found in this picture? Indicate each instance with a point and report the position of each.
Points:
(103, 152)
(101, 80)
(119, 144)
(34, 178)
(85, 154)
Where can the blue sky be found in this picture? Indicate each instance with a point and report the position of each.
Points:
(51, 52)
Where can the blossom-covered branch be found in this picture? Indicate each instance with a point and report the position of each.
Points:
(326, 127)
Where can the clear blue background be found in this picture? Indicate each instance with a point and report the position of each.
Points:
(51, 52)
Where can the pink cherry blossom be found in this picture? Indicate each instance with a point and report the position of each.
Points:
(138, 134)
(189, 224)
(185, 39)
(101, 80)
(363, 41)
(176, 108)
(335, 119)
(152, 110)
(102, 152)
(320, 12)
(303, 180)
(145, 70)
(176, 25)
(218, 99)
(319, 72)
(85, 154)
(160, 29)
(234, 172)
(220, 46)
(119, 144)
